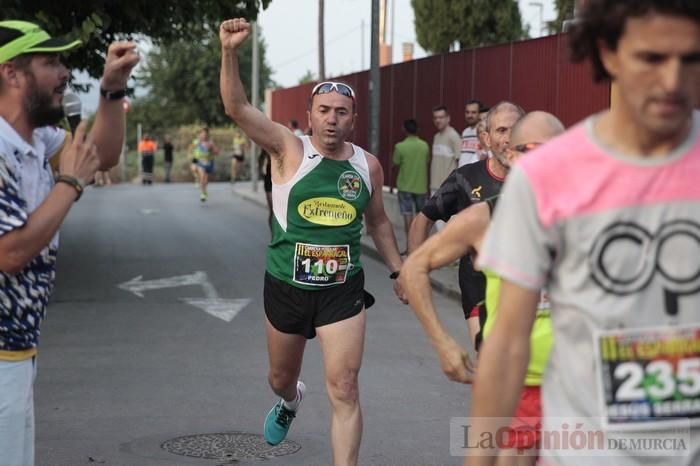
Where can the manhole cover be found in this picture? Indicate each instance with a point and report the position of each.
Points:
(228, 446)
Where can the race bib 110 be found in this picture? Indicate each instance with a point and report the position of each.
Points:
(321, 265)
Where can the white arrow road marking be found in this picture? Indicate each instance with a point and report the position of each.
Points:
(137, 286)
(209, 290)
(224, 309)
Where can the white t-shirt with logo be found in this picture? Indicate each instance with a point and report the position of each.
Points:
(616, 240)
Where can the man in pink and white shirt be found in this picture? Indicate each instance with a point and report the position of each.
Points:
(607, 217)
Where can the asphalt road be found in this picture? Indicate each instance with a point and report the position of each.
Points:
(125, 380)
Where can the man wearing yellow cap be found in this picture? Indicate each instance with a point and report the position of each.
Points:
(33, 204)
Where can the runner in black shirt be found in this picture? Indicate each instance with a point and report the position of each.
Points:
(464, 186)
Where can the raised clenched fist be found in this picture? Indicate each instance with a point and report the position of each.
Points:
(122, 57)
(233, 32)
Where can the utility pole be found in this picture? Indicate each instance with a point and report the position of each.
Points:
(362, 45)
(255, 100)
(139, 169)
(382, 22)
(374, 81)
(385, 57)
(540, 7)
(321, 44)
(393, 29)
(125, 107)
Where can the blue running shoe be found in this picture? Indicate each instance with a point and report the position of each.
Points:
(280, 418)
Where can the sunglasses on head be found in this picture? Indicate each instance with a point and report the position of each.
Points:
(329, 86)
(524, 148)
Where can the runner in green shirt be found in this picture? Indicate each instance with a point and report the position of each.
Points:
(322, 187)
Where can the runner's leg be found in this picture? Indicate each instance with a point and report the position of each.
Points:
(516, 458)
(474, 328)
(202, 175)
(234, 169)
(407, 221)
(195, 172)
(342, 344)
(285, 352)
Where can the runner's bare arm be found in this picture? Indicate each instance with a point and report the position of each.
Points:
(456, 143)
(459, 236)
(462, 234)
(271, 136)
(503, 362)
(379, 226)
(420, 229)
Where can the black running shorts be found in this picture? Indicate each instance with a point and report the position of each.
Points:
(294, 310)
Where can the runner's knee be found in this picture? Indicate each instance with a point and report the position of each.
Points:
(343, 387)
(281, 379)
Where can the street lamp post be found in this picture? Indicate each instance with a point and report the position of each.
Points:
(540, 7)
(125, 106)
(255, 90)
(374, 81)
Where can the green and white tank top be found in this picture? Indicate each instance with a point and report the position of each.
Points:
(317, 220)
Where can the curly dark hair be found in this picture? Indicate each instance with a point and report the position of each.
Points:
(604, 20)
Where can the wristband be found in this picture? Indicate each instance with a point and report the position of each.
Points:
(394, 275)
(74, 182)
(112, 95)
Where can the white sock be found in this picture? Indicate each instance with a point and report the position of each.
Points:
(293, 405)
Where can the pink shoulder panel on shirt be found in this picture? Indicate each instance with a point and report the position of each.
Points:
(572, 176)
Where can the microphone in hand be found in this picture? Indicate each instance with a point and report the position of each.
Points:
(72, 109)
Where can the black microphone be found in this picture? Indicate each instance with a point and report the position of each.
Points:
(72, 109)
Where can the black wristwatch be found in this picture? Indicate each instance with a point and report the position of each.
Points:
(394, 275)
(112, 95)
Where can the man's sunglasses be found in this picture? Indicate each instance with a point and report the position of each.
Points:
(329, 86)
(524, 148)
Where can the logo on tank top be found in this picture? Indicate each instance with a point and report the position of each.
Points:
(626, 257)
(327, 211)
(349, 185)
(476, 193)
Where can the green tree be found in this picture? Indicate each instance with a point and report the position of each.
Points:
(307, 77)
(99, 22)
(182, 79)
(436, 27)
(565, 10)
(472, 23)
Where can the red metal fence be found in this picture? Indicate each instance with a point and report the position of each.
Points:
(535, 74)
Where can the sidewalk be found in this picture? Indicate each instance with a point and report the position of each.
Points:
(443, 280)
